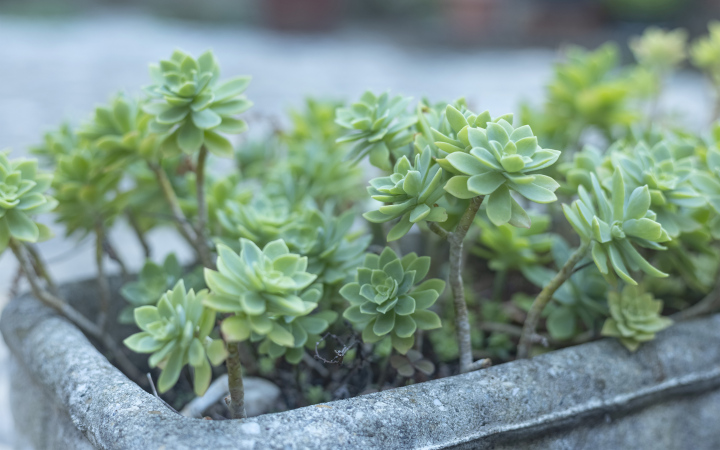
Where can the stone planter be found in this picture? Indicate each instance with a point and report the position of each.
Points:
(666, 396)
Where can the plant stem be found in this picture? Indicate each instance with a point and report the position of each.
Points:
(70, 313)
(186, 230)
(115, 256)
(138, 232)
(708, 304)
(544, 298)
(101, 278)
(462, 321)
(200, 190)
(236, 403)
(437, 229)
(41, 269)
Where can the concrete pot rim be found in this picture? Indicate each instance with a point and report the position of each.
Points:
(516, 400)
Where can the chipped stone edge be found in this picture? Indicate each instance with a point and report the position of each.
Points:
(512, 402)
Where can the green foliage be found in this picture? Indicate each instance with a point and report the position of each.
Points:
(410, 193)
(266, 292)
(616, 225)
(385, 301)
(705, 53)
(501, 159)
(119, 132)
(380, 126)
(193, 107)
(22, 196)
(177, 333)
(667, 174)
(406, 365)
(659, 50)
(88, 196)
(153, 281)
(588, 90)
(634, 317)
(509, 248)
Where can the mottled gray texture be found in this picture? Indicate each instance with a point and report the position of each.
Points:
(592, 396)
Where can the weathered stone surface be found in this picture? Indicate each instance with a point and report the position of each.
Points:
(592, 396)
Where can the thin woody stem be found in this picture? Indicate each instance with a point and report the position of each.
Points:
(462, 321)
(186, 230)
(70, 313)
(236, 401)
(437, 229)
(41, 269)
(200, 189)
(103, 284)
(139, 233)
(533, 317)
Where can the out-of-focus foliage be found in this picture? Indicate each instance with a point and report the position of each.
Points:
(634, 317)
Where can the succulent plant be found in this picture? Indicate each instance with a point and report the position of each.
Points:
(120, 132)
(177, 332)
(385, 301)
(262, 220)
(406, 365)
(261, 288)
(668, 179)
(22, 196)
(193, 107)
(410, 193)
(305, 330)
(614, 226)
(587, 90)
(509, 248)
(333, 252)
(501, 159)
(57, 143)
(86, 194)
(660, 50)
(577, 171)
(380, 125)
(705, 53)
(153, 281)
(634, 317)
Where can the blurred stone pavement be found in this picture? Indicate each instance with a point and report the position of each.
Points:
(54, 70)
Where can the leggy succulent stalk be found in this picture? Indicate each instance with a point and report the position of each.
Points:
(101, 278)
(184, 227)
(200, 188)
(462, 321)
(544, 298)
(236, 400)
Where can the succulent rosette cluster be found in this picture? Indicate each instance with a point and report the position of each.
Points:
(379, 124)
(615, 225)
(498, 159)
(387, 301)
(260, 288)
(177, 333)
(634, 317)
(410, 193)
(192, 108)
(22, 196)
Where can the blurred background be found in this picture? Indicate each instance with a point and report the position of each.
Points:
(59, 58)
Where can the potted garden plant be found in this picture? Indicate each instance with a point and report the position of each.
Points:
(489, 240)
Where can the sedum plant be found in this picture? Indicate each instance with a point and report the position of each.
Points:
(177, 333)
(501, 159)
(388, 300)
(22, 196)
(634, 317)
(614, 226)
(410, 193)
(379, 127)
(659, 50)
(191, 107)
